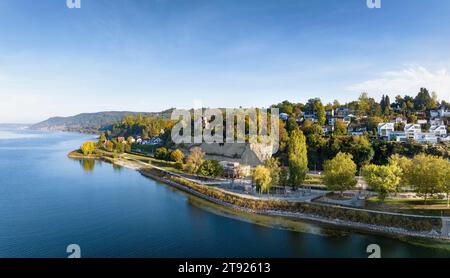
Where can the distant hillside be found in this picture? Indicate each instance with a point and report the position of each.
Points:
(89, 122)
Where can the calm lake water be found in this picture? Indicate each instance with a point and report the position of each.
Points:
(48, 201)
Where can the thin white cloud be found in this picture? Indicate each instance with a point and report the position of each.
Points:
(407, 81)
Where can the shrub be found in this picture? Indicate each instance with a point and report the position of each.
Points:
(162, 153)
(210, 168)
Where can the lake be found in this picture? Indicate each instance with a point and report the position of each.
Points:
(48, 201)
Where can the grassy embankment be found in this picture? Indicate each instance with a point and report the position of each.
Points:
(410, 206)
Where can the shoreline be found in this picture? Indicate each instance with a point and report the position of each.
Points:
(392, 232)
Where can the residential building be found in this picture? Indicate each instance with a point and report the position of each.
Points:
(437, 122)
(284, 116)
(328, 129)
(356, 130)
(398, 136)
(235, 169)
(342, 112)
(398, 120)
(423, 137)
(422, 122)
(152, 141)
(439, 131)
(384, 129)
(411, 130)
(312, 116)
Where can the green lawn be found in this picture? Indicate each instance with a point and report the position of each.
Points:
(413, 206)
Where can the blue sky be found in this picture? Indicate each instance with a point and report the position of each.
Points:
(149, 55)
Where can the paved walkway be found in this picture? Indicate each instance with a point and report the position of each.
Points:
(446, 226)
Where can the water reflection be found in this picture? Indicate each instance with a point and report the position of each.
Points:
(117, 168)
(87, 164)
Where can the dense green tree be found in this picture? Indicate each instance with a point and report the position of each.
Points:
(340, 128)
(381, 179)
(401, 164)
(120, 147)
(359, 146)
(274, 167)
(339, 173)
(422, 175)
(262, 179)
(297, 158)
(162, 153)
(210, 168)
(423, 101)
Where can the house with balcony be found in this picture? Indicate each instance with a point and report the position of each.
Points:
(384, 129)
(398, 136)
(423, 137)
(411, 130)
(439, 130)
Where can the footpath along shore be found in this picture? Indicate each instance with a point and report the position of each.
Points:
(213, 194)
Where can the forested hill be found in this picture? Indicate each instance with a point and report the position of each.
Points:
(90, 122)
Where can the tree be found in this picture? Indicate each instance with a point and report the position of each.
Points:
(120, 147)
(88, 148)
(445, 179)
(177, 156)
(423, 101)
(318, 107)
(210, 168)
(162, 153)
(284, 177)
(364, 104)
(284, 137)
(372, 123)
(291, 125)
(102, 138)
(195, 160)
(340, 128)
(262, 179)
(297, 158)
(381, 179)
(358, 146)
(442, 170)
(109, 146)
(422, 175)
(339, 173)
(402, 165)
(274, 167)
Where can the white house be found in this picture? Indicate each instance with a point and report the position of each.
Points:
(439, 130)
(437, 121)
(434, 113)
(443, 112)
(385, 128)
(153, 141)
(398, 136)
(445, 139)
(423, 137)
(284, 116)
(411, 130)
(422, 122)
